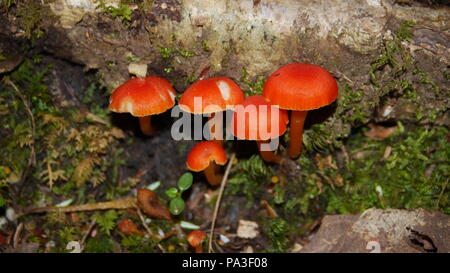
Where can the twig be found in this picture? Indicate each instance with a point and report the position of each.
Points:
(219, 198)
(83, 240)
(32, 159)
(343, 75)
(141, 216)
(149, 231)
(126, 203)
(17, 235)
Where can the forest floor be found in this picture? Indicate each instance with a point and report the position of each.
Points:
(68, 149)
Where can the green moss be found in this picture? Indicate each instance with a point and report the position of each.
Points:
(319, 138)
(252, 87)
(205, 46)
(248, 177)
(165, 52)
(106, 221)
(402, 180)
(139, 244)
(99, 244)
(425, 79)
(33, 17)
(404, 32)
(122, 11)
(277, 230)
(414, 175)
(404, 78)
(72, 147)
(68, 234)
(186, 53)
(168, 54)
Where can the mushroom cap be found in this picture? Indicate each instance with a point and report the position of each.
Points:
(217, 94)
(196, 237)
(258, 123)
(143, 97)
(301, 87)
(201, 155)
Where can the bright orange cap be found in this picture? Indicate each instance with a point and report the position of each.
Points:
(143, 97)
(203, 153)
(221, 92)
(196, 237)
(301, 87)
(258, 122)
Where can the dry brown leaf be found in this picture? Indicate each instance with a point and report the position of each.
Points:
(149, 203)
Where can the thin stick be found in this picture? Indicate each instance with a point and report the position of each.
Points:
(32, 159)
(149, 231)
(127, 203)
(219, 198)
(86, 235)
(17, 235)
(141, 216)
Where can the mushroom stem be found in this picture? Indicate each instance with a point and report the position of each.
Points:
(215, 130)
(296, 133)
(212, 174)
(268, 156)
(199, 249)
(146, 125)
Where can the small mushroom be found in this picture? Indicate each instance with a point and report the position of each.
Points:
(195, 239)
(143, 97)
(206, 156)
(300, 87)
(261, 126)
(149, 203)
(217, 94)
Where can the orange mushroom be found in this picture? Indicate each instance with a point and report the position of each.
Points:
(300, 87)
(217, 94)
(206, 156)
(143, 97)
(195, 239)
(261, 125)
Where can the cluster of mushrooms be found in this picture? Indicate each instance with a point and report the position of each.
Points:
(298, 87)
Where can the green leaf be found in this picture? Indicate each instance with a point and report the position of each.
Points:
(176, 206)
(185, 181)
(172, 192)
